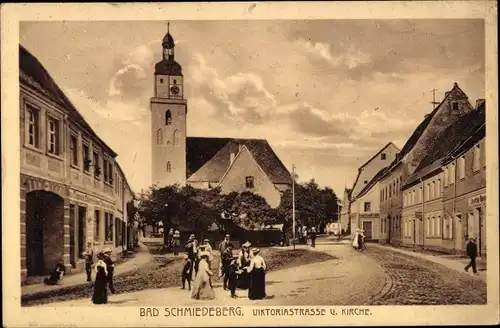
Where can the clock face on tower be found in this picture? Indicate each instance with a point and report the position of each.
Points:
(175, 90)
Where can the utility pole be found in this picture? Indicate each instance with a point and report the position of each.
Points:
(293, 204)
(434, 103)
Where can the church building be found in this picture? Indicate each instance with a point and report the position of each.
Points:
(229, 163)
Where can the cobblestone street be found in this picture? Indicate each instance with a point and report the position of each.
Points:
(377, 276)
(416, 281)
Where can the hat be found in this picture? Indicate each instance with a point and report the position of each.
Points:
(204, 254)
(107, 250)
(255, 250)
(235, 256)
(206, 240)
(227, 236)
(247, 244)
(191, 237)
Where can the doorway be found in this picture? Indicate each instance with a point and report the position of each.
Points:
(82, 227)
(44, 232)
(367, 227)
(72, 249)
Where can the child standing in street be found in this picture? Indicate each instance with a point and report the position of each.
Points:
(186, 273)
(233, 273)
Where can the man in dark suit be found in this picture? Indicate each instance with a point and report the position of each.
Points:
(472, 253)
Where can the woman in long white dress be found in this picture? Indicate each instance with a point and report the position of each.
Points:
(257, 272)
(202, 286)
(355, 242)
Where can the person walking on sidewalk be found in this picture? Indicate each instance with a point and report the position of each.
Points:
(313, 237)
(89, 260)
(472, 253)
(110, 267)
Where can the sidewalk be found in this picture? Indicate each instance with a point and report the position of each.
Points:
(454, 263)
(140, 258)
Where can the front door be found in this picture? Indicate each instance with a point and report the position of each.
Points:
(367, 227)
(82, 214)
(34, 245)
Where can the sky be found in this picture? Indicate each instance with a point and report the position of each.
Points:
(326, 94)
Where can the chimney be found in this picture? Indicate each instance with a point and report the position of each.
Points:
(479, 102)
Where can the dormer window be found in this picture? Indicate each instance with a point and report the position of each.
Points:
(454, 105)
(161, 80)
(383, 156)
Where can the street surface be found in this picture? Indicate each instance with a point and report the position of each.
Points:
(377, 276)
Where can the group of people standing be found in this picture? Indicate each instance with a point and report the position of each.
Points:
(244, 270)
(174, 241)
(104, 268)
(358, 240)
(304, 234)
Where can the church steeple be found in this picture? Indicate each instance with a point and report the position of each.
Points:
(168, 65)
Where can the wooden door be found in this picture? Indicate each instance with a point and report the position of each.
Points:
(367, 227)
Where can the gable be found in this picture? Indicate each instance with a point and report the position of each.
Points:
(206, 158)
(245, 165)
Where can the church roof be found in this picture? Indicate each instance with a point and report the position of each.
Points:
(168, 67)
(468, 129)
(168, 41)
(32, 72)
(209, 158)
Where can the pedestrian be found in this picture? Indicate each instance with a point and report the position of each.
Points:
(257, 271)
(244, 258)
(222, 248)
(233, 275)
(56, 275)
(186, 273)
(313, 237)
(355, 240)
(190, 249)
(100, 295)
(202, 287)
(89, 260)
(110, 267)
(176, 242)
(226, 259)
(472, 253)
(170, 240)
(361, 236)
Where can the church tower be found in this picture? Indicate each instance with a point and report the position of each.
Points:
(168, 119)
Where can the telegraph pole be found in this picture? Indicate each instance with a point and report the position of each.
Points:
(293, 204)
(434, 103)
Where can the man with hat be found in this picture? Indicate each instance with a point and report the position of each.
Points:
(222, 248)
(244, 259)
(110, 267)
(191, 251)
(472, 253)
(89, 260)
(226, 259)
(233, 273)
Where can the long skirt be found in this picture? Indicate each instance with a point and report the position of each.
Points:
(257, 290)
(202, 287)
(244, 280)
(100, 295)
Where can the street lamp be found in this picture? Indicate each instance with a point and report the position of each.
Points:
(293, 204)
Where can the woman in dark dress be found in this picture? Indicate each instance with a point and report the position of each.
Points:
(257, 271)
(101, 281)
(244, 260)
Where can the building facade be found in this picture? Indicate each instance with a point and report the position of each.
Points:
(72, 190)
(444, 200)
(365, 212)
(454, 106)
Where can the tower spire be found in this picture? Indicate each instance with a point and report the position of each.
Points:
(168, 26)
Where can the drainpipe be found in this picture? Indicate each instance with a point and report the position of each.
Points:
(423, 220)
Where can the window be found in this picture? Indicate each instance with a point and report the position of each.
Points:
(438, 188)
(73, 145)
(428, 227)
(390, 190)
(86, 157)
(452, 173)
(176, 137)
(159, 137)
(365, 182)
(175, 81)
(168, 117)
(420, 195)
(454, 105)
(383, 156)
(438, 226)
(433, 189)
(169, 167)
(446, 176)
(368, 206)
(161, 80)
(33, 129)
(461, 167)
(477, 158)
(249, 182)
(413, 197)
(53, 136)
(97, 226)
(97, 166)
(427, 191)
(108, 228)
(108, 171)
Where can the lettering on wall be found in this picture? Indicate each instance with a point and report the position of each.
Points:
(476, 200)
(88, 199)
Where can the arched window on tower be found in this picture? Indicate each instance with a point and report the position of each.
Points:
(176, 137)
(168, 117)
(159, 136)
(169, 167)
